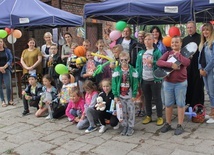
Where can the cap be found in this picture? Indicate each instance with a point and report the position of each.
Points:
(33, 75)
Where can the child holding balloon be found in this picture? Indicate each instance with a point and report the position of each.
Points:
(106, 73)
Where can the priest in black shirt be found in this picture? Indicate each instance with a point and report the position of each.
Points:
(195, 89)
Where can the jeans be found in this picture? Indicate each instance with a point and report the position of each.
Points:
(175, 93)
(209, 85)
(75, 112)
(152, 90)
(6, 77)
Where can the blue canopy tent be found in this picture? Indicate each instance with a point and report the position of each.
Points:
(203, 10)
(34, 13)
(141, 11)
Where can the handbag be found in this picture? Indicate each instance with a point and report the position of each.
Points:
(200, 111)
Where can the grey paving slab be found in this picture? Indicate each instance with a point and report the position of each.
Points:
(30, 135)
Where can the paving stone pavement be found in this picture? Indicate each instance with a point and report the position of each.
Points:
(29, 135)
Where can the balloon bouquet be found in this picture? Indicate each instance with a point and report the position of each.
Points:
(12, 35)
(173, 31)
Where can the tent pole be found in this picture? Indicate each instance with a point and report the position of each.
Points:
(13, 49)
(85, 28)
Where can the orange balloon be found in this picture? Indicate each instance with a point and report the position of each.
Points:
(80, 51)
(167, 41)
(17, 33)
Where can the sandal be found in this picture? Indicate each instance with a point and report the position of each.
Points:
(3, 104)
(12, 103)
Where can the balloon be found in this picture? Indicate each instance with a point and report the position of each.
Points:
(81, 61)
(17, 33)
(80, 51)
(114, 35)
(112, 44)
(8, 30)
(11, 39)
(61, 69)
(174, 31)
(120, 25)
(100, 68)
(3, 33)
(190, 114)
(136, 34)
(102, 56)
(167, 41)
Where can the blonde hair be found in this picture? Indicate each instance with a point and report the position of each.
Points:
(48, 34)
(105, 80)
(100, 41)
(209, 27)
(142, 32)
(118, 47)
(75, 90)
(149, 34)
(124, 54)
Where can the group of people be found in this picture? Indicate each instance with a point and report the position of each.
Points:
(130, 70)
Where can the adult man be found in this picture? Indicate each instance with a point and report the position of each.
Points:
(126, 41)
(195, 89)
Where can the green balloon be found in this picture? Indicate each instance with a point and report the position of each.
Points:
(3, 33)
(120, 25)
(61, 69)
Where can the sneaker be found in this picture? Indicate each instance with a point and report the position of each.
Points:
(210, 121)
(165, 128)
(103, 128)
(130, 131)
(159, 121)
(124, 131)
(179, 130)
(154, 107)
(48, 117)
(90, 129)
(117, 126)
(25, 112)
(147, 120)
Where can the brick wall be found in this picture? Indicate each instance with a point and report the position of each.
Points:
(73, 6)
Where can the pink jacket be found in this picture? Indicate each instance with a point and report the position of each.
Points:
(77, 106)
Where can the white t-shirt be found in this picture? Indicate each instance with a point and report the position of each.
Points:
(125, 44)
(147, 73)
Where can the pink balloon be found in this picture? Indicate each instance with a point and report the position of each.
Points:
(136, 34)
(112, 44)
(114, 35)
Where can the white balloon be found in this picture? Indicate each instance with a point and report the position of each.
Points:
(61, 41)
(11, 39)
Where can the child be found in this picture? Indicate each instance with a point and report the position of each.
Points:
(64, 96)
(108, 97)
(145, 65)
(89, 68)
(102, 51)
(75, 107)
(44, 104)
(124, 88)
(53, 60)
(89, 115)
(116, 50)
(31, 94)
(174, 85)
(86, 43)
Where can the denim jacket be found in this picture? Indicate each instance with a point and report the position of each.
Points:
(209, 55)
(9, 58)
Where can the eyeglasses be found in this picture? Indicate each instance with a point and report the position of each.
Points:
(121, 60)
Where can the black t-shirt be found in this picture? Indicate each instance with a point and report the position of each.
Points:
(3, 58)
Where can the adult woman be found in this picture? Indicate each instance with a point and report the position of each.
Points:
(31, 58)
(5, 73)
(45, 50)
(158, 39)
(206, 64)
(66, 48)
(174, 85)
